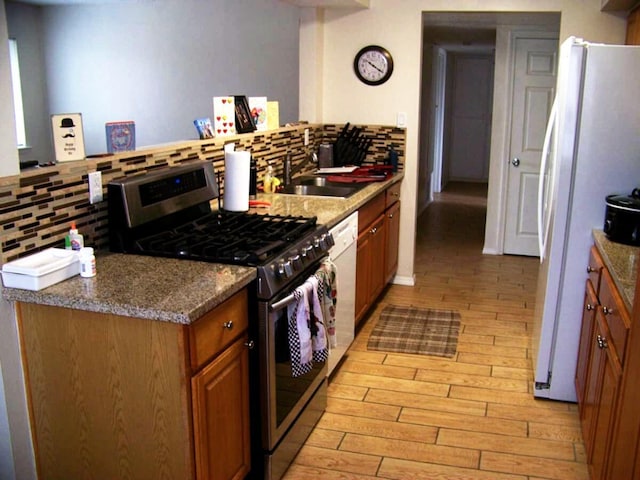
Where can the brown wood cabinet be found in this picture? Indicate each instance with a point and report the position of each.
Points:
(120, 397)
(392, 219)
(603, 346)
(370, 266)
(633, 27)
(378, 240)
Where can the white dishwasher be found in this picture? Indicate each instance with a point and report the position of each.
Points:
(343, 255)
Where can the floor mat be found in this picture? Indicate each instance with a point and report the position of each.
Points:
(416, 330)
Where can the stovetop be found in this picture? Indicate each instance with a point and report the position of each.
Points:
(229, 237)
(167, 213)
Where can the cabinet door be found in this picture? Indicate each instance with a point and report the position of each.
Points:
(370, 266)
(363, 272)
(392, 243)
(584, 351)
(378, 250)
(633, 27)
(220, 394)
(600, 399)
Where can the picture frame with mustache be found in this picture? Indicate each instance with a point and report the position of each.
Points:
(68, 136)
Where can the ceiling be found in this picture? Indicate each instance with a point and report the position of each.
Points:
(465, 30)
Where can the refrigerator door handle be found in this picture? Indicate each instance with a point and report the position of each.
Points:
(543, 227)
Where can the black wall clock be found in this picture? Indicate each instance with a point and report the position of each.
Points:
(373, 65)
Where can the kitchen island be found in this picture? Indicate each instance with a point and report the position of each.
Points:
(142, 370)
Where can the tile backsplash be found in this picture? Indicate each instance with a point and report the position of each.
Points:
(38, 206)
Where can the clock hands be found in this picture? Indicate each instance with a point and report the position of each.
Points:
(375, 66)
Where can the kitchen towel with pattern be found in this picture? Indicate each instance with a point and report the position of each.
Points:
(327, 274)
(318, 331)
(299, 333)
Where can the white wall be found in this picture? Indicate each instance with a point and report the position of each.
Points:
(8, 151)
(161, 63)
(6, 453)
(24, 24)
(397, 26)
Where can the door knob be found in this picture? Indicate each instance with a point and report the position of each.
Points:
(515, 162)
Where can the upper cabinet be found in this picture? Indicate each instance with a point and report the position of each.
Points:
(330, 3)
(612, 5)
(633, 27)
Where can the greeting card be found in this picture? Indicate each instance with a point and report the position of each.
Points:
(224, 116)
(258, 108)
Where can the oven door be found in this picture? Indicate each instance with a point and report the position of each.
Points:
(283, 396)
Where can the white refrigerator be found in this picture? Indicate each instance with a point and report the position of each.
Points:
(592, 149)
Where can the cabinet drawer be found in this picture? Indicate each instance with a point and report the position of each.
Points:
(392, 194)
(594, 268)
(370, 211)
(215, 330)
(615, 314)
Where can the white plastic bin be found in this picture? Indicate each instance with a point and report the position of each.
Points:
(41, 269)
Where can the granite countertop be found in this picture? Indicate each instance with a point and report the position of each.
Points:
(328, 210)
(178, 290)
(156, 288)
(622, 262)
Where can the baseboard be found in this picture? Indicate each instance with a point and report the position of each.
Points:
(404, 280)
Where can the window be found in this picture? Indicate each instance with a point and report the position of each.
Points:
(21, 134)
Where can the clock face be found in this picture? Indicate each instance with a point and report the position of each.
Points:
(373, 65)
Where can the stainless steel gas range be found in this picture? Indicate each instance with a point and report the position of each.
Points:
(168, 213)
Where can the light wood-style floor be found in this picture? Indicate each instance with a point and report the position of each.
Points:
(471, 417)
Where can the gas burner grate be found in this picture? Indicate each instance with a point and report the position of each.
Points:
(229, 237)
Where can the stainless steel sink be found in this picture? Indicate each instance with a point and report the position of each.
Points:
(323, 191)
(320, 186)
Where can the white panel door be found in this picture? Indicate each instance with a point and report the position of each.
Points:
(534, 80)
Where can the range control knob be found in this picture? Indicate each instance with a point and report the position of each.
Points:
(284, 269)
(288, 269)
(308, 248)
(296, 261)
(324, 242)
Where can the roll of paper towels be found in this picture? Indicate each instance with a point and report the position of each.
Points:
(236, 181)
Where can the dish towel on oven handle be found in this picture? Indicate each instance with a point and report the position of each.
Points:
(328, 276)
(298, 316)
(318, 331)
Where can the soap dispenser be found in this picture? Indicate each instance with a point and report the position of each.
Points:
(266, 181)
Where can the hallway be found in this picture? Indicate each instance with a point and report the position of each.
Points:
(470, 417)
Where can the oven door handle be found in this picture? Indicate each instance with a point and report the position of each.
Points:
(279, 305)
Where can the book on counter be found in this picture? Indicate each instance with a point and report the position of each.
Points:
(121, 136)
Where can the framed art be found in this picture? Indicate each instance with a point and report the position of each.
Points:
(68, 137)
(244, 121)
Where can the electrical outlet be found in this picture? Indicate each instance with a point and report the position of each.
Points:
(95, 187)
(401, 120)
(306, 137)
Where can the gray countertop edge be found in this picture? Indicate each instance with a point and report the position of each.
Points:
(622, 262)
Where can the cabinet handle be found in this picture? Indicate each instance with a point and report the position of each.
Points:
(602, 342)
(373, 230)
(395, 194)
(250, 344)
(391, 215)
(589, 307)
(590, 269)
(228, 324)
(607, 310)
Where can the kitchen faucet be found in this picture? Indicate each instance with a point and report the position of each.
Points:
(290, 170)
